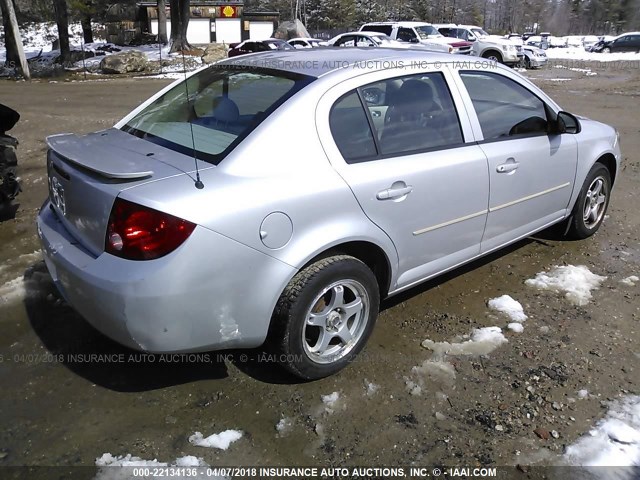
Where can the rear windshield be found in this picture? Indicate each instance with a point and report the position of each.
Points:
(223, 106)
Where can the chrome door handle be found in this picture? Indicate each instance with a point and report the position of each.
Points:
(510, 166)
(397, 190)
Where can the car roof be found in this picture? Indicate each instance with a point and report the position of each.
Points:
(325, 61)
(404, 24)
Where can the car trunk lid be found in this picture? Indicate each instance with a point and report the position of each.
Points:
(86, 173)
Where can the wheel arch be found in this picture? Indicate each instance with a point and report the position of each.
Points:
(372, 255)
(491, 50)
(609, 161)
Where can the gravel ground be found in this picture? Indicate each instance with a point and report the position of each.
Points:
(516, 405)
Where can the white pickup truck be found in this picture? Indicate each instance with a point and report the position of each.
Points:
(484, 45)
(421, 33)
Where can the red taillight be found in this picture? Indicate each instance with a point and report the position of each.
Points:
(141, 233)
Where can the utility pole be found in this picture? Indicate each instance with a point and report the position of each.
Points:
(15, 32)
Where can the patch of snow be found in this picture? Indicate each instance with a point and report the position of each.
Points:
(630, 281)
(112, 467)
(412, 387)
(217, 440)
(331, 401)
(190, 461)
(576, 282)
(436, 369)
(126, 461)
(12, 291)
(372, 388)
(284, 425)
(483, 341)
(614, 441)
(583, 393)
(510, 307)
(516, 327)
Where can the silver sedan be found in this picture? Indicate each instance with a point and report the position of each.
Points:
(199, 222)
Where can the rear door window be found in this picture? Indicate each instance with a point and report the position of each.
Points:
(350, 129)
(401, 115)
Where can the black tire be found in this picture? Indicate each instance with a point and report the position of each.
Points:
(581, 226)
(493, 55)
(606, 50)
(527, 63)
(292, 334)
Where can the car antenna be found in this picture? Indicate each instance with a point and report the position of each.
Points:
(198, 183)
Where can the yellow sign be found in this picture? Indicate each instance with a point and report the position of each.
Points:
(228, 11)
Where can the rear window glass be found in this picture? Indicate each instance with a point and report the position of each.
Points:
(222, 107)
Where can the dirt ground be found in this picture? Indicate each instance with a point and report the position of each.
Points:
(57, 407)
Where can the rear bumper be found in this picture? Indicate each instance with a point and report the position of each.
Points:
(211, 293)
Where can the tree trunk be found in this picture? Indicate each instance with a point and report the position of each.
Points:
(162, 22)
(87, 33)
(179, 23)
(12, 48)
(62, 20)
(9, 12)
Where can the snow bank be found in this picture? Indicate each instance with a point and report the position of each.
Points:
(577, 53)
(483, 341)
(217, 440)
(576, 282)
(615, 441)
(510, 307)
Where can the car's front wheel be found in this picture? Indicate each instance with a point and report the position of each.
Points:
(606, 50)
(325, 316)
(591, 206)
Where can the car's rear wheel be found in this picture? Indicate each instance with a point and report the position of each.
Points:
(325, 316)
(493, 55)
(591, 206)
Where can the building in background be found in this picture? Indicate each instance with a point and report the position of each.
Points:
(214, 21)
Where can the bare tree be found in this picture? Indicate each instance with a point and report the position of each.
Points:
(62, 20)
(180, 13)
(9, 13)
(10, 44)
(162, 22)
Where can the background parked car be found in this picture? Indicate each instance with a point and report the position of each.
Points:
(483, 45)
(534, 57)
(306, 42)
(369, 39)
(420, 33)
(601, 44)
(252, 46)
(627, 42)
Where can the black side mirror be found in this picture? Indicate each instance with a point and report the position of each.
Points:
(567, 123)
(414, 40)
